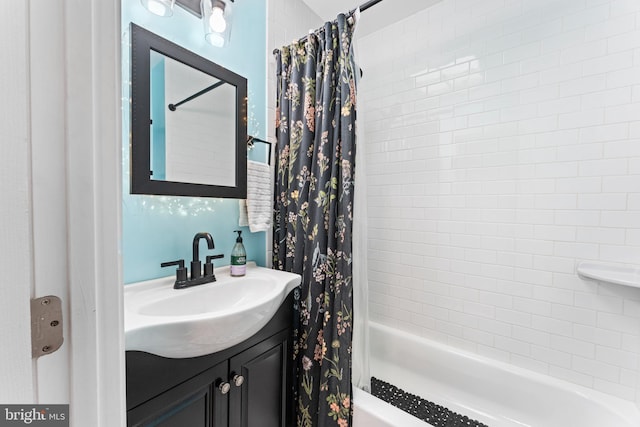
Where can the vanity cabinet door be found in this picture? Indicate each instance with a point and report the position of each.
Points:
(261, 399)
(197, 402)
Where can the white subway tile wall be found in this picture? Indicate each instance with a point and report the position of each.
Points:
(503, 148)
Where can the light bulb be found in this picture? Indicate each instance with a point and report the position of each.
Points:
(215, 39)
(159, 7)
(156, 7)
(217, 21)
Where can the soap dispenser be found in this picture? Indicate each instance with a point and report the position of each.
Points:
(238, 257)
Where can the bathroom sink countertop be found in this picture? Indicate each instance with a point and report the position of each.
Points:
(204, 319)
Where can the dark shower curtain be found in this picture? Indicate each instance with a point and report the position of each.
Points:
(313, 214)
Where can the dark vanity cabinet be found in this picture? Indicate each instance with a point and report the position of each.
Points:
(196, 402)
(248, 385)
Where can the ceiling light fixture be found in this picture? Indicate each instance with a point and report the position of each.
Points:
(216, 18)
(215, 15)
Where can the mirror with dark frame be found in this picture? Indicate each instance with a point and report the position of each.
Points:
(188, 122)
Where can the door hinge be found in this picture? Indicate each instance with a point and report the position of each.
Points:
(46, 325)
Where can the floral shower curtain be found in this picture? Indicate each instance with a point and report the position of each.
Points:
(313, 214)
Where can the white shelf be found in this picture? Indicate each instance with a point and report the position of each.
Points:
(619, 275)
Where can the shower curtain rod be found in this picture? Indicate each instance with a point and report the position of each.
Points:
(363, 7)
(368, 4)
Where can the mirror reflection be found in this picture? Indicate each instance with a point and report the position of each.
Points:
(192, 121)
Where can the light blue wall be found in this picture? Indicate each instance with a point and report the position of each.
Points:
(161, 228)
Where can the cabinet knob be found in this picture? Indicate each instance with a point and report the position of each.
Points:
(224, 387)
(238, 380)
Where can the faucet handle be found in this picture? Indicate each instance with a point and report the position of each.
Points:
(179, 263)
(208, 266)
(181, 272)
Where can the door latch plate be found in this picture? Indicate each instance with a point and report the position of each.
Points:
(46, 325)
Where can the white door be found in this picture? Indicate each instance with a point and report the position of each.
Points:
(33, 243)
(16, 369)
(60, 182)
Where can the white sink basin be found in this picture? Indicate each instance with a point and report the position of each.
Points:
(203, 319)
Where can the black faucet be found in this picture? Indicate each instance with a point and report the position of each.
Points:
(197, 278)
(196, 265)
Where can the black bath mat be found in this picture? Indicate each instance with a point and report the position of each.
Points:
(436, 415)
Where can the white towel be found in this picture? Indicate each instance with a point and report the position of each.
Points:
(256, 210)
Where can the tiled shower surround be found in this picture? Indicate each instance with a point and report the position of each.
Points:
(503, 148)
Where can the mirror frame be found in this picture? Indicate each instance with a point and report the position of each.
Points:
(142, 42)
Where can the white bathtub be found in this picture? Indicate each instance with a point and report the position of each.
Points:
(492, 392)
